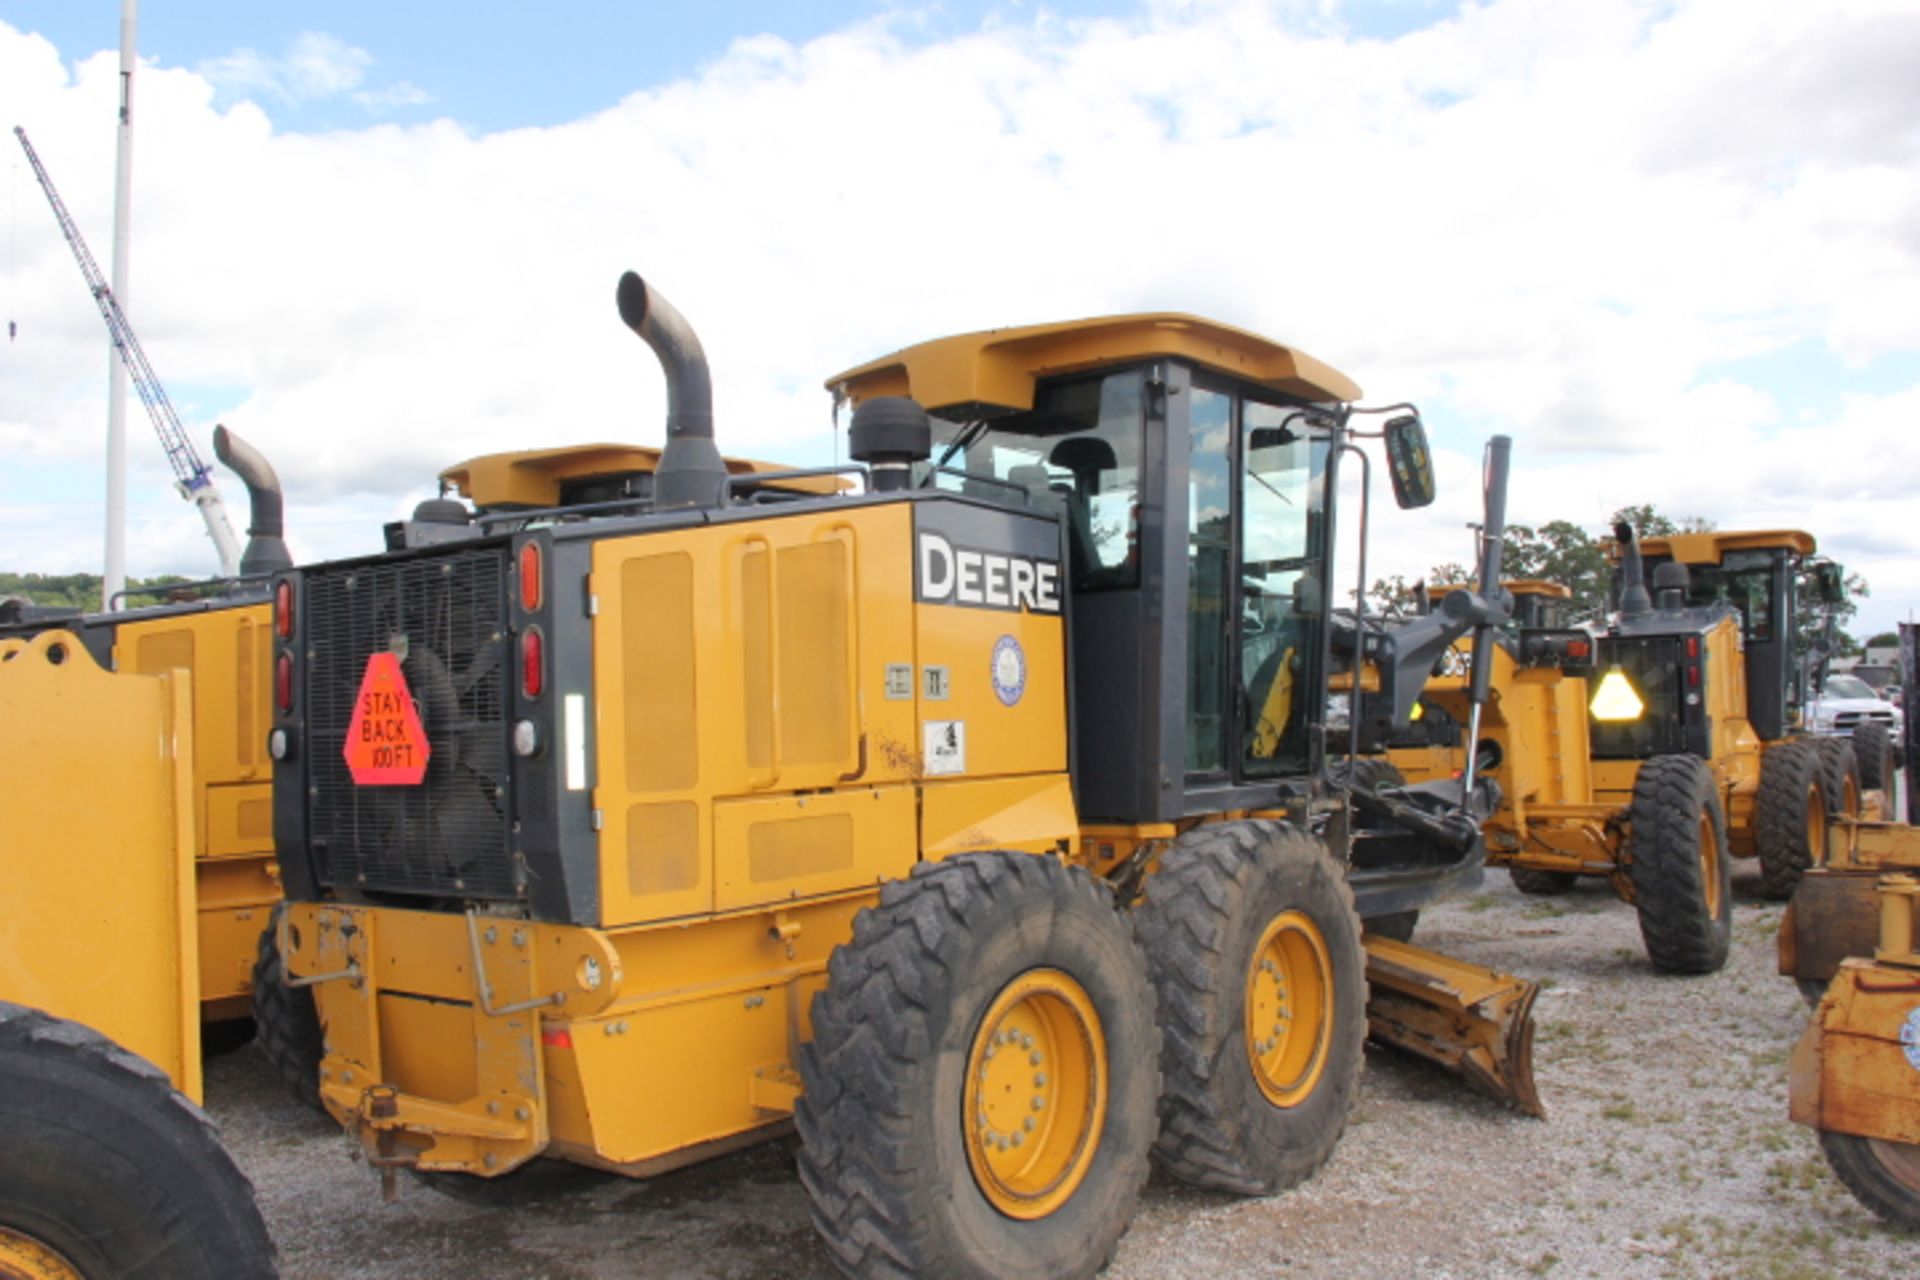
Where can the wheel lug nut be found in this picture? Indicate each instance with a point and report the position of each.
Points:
(1039, 1079)
(1027, 1124)
(1036, 1058)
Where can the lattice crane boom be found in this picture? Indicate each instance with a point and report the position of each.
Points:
(193, 477)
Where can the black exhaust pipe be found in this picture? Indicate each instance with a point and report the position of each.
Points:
(1634, 598)
(266, 546)
(691, 473)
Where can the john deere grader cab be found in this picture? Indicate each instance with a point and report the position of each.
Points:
(970, 823)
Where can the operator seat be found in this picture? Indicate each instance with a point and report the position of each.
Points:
(1084, 458)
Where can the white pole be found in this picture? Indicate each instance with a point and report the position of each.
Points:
(114, 580)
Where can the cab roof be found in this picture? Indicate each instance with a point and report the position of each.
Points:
(1713, 546)
(993, 372)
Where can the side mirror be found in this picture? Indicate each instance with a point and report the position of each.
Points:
(1409, 462)
(1829, 583)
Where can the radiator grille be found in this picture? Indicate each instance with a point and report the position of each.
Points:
(448, 835)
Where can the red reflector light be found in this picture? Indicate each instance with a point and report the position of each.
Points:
(283, 610)
(1578, 648)
(1693, 677)
(1693, 646)
(283, 682)
(530, 583)
(561, 1039)
(532, 664)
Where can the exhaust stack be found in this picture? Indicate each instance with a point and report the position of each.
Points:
(1634, 598)
(691, 473)
(266, 545)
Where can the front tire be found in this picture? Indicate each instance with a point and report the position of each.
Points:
(1682, 883)
(979, 1090)
(1542, 884)
(107, 1170)
(1873, 748)
(1255, 950)
(1883, 1175)
(1790, 815)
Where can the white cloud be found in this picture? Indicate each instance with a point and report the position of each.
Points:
(1560, 221)
(314, 67)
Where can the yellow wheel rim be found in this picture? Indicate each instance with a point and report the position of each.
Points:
(1710, 866)
(1289, 1015)
(1900, 1160)
(24, 1258)
(1816, 826)
(1036, 1094)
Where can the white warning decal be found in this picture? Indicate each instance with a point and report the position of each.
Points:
(943, 747)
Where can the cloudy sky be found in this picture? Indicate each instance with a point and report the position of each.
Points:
(1672, 248)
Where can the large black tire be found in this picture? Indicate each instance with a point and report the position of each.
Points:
(1884, 1176)
(1238, 1111)
(1790, 814)
(109, 1169)
(1840, 776)
(1364, 773)
(1370, 773)
(1541, 884)
(1873, 748)
(1397, 927)
(1677, 847)
(287, 1024)
(958, 963)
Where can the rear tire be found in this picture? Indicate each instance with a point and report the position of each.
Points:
(287, 1023)
(107, 1170)
(1883, 1175)
(1790, 815)
(915, 1146)
(1541, 884)
(1873, 748)
(1253, 922)
(1682, 884)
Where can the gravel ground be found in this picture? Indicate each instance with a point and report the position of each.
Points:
(1666, 1152)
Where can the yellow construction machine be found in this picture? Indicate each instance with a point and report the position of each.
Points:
(218, 632)
(1851, 938)
(1660, 744)
(107, 1166)
(970, 820)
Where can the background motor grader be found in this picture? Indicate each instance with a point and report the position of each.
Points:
(1852, 939)
(217, 632)
(1654, 749)
(972, 824)
(107, 1167)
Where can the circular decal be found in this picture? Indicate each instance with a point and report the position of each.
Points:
(1009, 670)
(1910, 1039)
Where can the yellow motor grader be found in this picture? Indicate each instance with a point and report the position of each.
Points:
(1851, 938)
(1656, 747)
(972, 822)
(217, 632)
(107, 1165)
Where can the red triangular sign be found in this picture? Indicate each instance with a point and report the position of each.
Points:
(386, 743)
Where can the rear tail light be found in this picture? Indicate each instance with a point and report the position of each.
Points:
(533, 676)
(531, 585)
(1693, 646)
(1578, 649)
(1693, 677)
(283, 682)
(283, 609)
